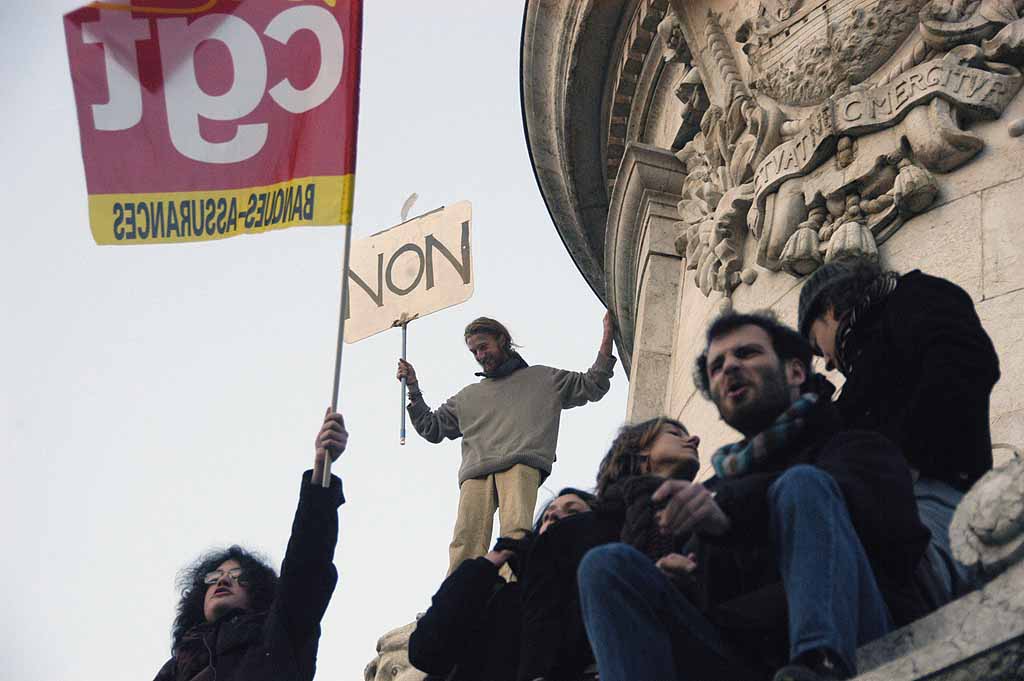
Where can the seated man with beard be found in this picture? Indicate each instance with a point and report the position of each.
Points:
(237, 620)
(812, 531)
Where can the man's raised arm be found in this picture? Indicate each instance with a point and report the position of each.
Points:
(576, 388)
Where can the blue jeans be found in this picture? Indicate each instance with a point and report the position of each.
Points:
(639, 624)
(948, 579)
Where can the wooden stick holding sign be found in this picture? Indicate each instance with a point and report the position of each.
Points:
(404, 323)
(420, 266)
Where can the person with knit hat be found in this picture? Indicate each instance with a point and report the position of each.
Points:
(919, 369)
(508, 422)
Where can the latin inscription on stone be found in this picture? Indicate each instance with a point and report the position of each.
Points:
(985, 93)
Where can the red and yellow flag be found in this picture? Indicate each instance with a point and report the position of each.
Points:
(205, 119)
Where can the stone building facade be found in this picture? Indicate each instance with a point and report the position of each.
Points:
(701, 154)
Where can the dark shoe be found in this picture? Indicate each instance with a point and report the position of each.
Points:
(816, 665)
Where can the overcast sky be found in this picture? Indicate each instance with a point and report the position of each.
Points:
(160, 400)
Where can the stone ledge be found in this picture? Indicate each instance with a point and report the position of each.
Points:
(979, 636)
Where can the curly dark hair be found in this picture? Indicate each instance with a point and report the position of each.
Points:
(258, 576)
(786, 341)
(587, 497)
(623, 459)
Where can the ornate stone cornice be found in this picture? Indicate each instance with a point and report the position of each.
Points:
(640, 34)
(566, 49)
(649, 180)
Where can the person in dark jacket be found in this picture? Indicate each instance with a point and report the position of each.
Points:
(919, 369)
(237, 620)
(554, 641)
(471, 632)
(803, 512)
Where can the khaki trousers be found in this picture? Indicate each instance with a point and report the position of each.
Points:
(512, 492)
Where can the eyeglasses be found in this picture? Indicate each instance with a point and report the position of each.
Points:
(216, 575)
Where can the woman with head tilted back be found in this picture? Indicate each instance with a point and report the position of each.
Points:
(919, 368)
(237, 620)
(554, 642)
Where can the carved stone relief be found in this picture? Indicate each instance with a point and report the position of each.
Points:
(673, 43)
(988, 528)
(718, 192)
(645, 27)
(801, 53)
(852, 113)
(392, 660)
(654, 31)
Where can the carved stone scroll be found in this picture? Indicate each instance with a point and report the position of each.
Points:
(981, 92)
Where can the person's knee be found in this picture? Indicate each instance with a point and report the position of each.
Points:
(605, 564)
(800, 485)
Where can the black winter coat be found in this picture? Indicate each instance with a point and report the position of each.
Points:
(740, 587)
(555, 644)
(280, 644)
(554, 641)
(921, 372)
(472, 629)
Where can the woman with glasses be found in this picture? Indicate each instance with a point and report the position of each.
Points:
(237, 620)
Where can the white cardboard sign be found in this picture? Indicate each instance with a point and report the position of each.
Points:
(420, 266)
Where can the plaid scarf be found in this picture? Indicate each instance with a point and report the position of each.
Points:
(846, 351)
(742, 457)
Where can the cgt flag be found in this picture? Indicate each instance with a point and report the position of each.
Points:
(205, 119)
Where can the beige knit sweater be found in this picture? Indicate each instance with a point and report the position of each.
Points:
(510, 420)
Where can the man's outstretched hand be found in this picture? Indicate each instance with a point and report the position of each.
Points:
(609, 335)
(330, 441)
(690, 508)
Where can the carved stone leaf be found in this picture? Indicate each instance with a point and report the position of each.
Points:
(693, 210)
(1007, 45)
(999, 11)
(734, 204)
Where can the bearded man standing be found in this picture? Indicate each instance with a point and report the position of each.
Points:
(508, 423)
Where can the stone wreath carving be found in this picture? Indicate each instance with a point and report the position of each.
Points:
(802, 53)
(780, 159)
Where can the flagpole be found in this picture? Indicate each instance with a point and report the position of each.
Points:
(341, 337)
